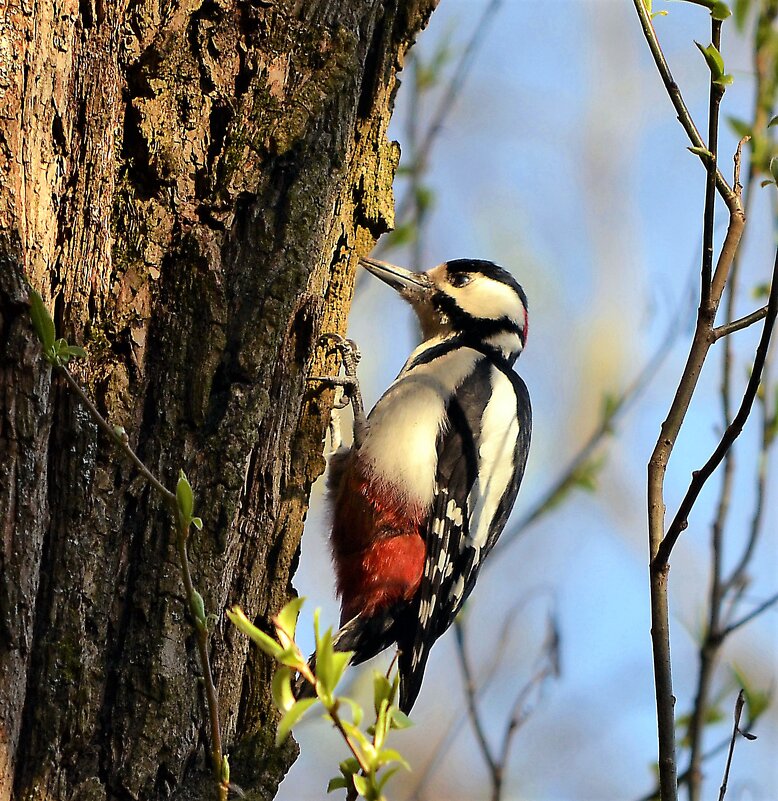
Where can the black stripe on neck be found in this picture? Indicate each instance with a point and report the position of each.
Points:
(493, 354)
(474, 327)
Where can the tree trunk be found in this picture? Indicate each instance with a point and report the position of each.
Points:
(187, 184)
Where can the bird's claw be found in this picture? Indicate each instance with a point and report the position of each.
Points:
(347, 384)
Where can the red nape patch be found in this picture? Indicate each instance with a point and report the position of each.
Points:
(377, 544)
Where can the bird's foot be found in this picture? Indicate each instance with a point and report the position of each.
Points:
(346, 388)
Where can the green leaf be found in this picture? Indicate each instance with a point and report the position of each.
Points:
(198, 607)
(281, 687)
(702, 152)
(774, 168)
(292, 657)
(402, 235)
(385, 776)
(381, 727)
(761, 291)
(197, 522)
(225, 777)
(330, 664)
(424, 199)
(337, 783)
(357, 713)
(382, 689)
(388, 755)
(349, 766)
(713, 59)
(184, 497)
(286, 621)
(77, 351)
(355, 733)
(720, 11)
(292, 717)
(42, 322)
(265, 642)
(399, 719)
(725, 80)
(316, 616)
(324, 666)
(773, 122)
(361, 784)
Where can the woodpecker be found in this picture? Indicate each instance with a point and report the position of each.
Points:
(421, 497)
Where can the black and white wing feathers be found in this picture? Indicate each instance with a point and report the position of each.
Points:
(481, 458)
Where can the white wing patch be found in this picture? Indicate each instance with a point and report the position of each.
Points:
(499, 431)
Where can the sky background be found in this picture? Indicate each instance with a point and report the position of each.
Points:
(562, 160)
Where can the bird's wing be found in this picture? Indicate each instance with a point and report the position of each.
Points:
(481, 458)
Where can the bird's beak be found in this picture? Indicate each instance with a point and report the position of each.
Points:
(412, 286)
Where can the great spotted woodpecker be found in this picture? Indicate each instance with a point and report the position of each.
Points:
(421, 497)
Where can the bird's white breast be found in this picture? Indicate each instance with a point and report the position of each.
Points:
(401, 443)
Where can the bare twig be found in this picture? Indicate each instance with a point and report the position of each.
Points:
(118, 440)
(739, 325)
(716, 94)
(456, 723)
(472, 706)
(546, 668)
(739, 703)
(684, 117)
(712, 287)
(733, 431)
(211, 697)
(182, 532)
(605, 428)
(683, 777)
(754, 613)
(421, 153)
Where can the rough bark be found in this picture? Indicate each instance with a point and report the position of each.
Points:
(188, 184)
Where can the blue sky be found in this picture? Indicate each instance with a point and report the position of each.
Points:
(562, 160)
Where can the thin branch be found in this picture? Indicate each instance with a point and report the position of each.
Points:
(684, 117)
(547, 666)
(602, 431)
(735, 731)
(201, 631)
(447, 102)
(739, 325)
(117, 439)
(699, 478)
(472, 706)
(457, 722)
(738, 573)
(716, 94)
(754, 613)
(547, 669)
(683, 777)
(211, 696)
(712, 289)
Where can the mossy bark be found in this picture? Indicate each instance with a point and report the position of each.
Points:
(188, 185)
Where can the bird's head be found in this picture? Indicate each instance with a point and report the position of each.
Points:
(470, 298)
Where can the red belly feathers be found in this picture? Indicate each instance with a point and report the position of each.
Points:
(377, 544)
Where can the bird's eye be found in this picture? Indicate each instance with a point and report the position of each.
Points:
(460, 279)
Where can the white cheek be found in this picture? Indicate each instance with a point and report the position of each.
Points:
(489, 300)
